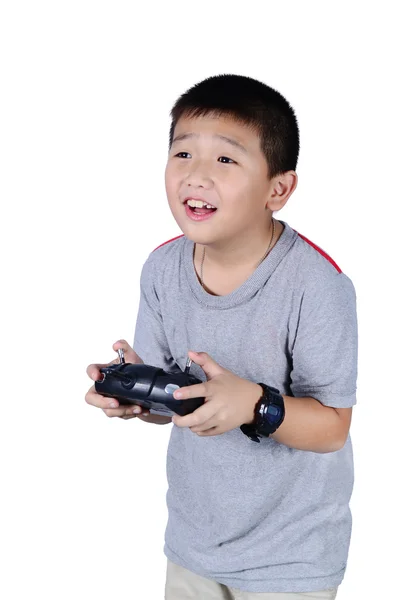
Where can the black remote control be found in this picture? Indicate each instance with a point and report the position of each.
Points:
(149, 387)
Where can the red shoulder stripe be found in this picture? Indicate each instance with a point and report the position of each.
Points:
(167, 242)
(318, 249)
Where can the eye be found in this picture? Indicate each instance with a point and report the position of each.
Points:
(227, 158)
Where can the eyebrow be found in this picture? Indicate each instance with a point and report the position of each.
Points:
(224, 138)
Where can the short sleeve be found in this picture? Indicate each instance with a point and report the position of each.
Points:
(150, 341)
(325, 349)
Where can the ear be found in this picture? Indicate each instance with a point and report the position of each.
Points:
(282, 188)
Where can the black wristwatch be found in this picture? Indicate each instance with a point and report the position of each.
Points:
(269, 413)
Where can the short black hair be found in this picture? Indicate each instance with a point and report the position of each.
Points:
(251, 103)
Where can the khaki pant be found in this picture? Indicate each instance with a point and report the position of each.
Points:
(182, 584)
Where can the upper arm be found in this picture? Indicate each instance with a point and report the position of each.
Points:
(324, 353)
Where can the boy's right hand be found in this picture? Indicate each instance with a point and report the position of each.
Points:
(106, 404)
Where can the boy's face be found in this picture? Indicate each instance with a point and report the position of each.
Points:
(233, 180)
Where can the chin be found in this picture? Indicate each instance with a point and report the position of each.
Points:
(193, 235)
(193, 231)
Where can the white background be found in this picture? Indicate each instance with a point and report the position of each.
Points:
(86, 90)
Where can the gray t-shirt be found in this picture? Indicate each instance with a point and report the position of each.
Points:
(261, 517)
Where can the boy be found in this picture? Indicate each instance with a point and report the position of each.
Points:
(250, 516)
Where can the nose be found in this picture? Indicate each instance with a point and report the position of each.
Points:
(198, 174)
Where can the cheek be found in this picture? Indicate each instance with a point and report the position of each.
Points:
(171, 184)
(236, 195)
(243, 207)
(172, 189)
(167, 175)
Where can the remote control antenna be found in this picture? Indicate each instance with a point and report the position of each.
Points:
(188, 363)
(121, 356)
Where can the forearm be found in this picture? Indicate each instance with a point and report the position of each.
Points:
(309, 425)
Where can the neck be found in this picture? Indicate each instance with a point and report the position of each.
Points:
(243, 251)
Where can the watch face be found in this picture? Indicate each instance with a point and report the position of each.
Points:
(274, 413)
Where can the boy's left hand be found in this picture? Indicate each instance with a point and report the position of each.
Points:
(229, 399)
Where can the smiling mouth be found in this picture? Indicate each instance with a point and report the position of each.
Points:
(199, 214)
(199, 207)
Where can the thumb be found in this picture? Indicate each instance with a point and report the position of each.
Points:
(210, 367)
(130, 355)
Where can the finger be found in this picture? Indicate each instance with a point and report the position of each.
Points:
(199, 390)
(210, 367)
(105, 403)
(209, 424)
(137, 411)
(126, 412)
(211, 431)
(93, 370)
(200, 416)
(115, 412)
(132, 412)
(130, 355)
(95, 399)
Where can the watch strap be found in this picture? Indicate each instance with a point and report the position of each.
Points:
(261, 427)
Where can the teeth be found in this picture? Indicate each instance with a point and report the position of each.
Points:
(199, 204)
